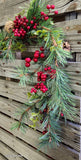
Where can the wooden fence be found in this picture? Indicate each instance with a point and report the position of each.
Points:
(15, 144)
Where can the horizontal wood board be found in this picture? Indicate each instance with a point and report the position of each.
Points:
(70, 134)
(9, 8)
(30, 153)
(9, 70)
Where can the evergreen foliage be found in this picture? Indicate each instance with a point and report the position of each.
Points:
(50, 99)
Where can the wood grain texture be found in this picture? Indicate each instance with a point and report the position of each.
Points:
(13, 90)
(9, 70)
(21, 148)
(9, 153)
(2, 157)
(72, 30)
(70, 134)
(62, 153)
(8, 106)
(10, 7)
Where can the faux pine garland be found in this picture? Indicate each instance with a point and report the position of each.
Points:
(50, 99)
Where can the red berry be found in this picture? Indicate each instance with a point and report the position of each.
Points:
(46, 18)
(35, 90)
(15, 21)
(27, 64)
(24, 32)
(16, 18)
(41, 121)
(35, 59)
(54, 71)
(46, 89)
(34, 27)
(43, 76)
(56, 12)
(43, 132)
(28, 59)
(35, 24)
(26, 21)
(19, 16)
(45, 69)
(52, 6)
(32, 90)
(45, 110)
(62, 114)
(36, 55)
(34, 17)
(40, 112)
(37, 51)
(28, 27)
(48, 6)
(43, 79)
(13, 30)
(42, 84)
(49, 68)
(42, 13)
(15, 34)
(38, 79)
(19, 35)
(42, 48)
(38, 73)
(42, 55)
(43, 90)
(24, 18)
(20, 32)
(31, 21)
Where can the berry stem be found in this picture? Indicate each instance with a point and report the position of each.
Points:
(20, 120)
(22, 117)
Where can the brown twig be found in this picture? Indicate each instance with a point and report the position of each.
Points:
(22, 116)
(24, 113)
(54, 42)
(56, 63)
(46, 28)
(9, 47)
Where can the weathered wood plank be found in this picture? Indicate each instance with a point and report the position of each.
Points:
(14, 91)
(21, 148)
(10, 7)
(9, 107)
(8, 70)
(62, 153)
(2, 157)
(70, 133)
(72, 26)
(9, 153)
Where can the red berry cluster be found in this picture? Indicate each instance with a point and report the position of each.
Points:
(50, 72)
(27, 62)
(22, 25)
(41, 76)
(33, 90)
(44, 16)
(40, 86)
(38, 54)
(51, 7)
